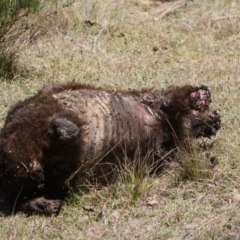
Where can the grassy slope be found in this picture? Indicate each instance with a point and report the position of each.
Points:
(133, 46)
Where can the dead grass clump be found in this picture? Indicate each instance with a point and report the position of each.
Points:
(226, 26)
(34, 26)
(7, 63)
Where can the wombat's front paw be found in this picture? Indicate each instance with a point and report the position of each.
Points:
(214, 120)
(42, 205)
(200, 98)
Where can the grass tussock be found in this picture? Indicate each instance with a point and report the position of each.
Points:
(7, 64)
(196, 163)
(120, 45)
(136, 176)
(131, 178)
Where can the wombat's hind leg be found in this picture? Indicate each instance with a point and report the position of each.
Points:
(65, 129)
(42, 205)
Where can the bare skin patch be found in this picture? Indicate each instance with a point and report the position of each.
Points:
(201, 98)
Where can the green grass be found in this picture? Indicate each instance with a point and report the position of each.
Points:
(11, 13)
(129, 44)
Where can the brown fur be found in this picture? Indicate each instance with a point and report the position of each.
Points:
(49, 136)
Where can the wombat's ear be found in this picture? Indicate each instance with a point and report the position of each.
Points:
(65, 129)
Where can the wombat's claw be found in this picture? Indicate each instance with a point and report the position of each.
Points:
(42, 206)
(200, 99)
(215, 121)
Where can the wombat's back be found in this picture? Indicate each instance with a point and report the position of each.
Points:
(108, 119)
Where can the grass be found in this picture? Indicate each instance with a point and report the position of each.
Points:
(131, 44)
(11, 13)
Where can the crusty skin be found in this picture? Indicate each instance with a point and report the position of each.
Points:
(47, 138)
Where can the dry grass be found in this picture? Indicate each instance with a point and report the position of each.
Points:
(121, 44)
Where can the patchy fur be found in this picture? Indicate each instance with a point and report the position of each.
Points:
(47, 138)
